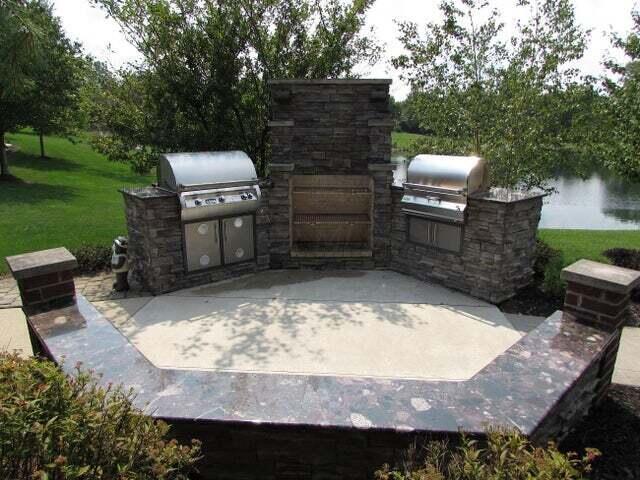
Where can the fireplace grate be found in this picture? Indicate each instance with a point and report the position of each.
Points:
(320, 219)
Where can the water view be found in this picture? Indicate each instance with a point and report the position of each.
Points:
(600, 202)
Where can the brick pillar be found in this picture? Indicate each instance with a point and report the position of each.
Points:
(45, 279)
(598, 295)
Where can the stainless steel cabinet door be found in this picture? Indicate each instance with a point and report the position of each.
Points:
(435, 234)
(447, 236)
(237, 239)
(202, 245)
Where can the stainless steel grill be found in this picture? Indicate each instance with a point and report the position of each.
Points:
(436, 193)
(438, 186)
(210, 183)
(218, 194)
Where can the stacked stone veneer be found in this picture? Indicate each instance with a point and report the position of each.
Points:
(498, 247)
(330, 127)
(156, 255)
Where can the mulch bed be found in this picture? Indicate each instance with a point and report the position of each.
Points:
(532, 301)
(614, 429)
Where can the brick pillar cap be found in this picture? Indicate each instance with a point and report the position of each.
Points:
(42, 262)
(602, 276)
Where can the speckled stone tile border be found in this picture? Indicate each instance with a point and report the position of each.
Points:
(94, 287)
(518, 389)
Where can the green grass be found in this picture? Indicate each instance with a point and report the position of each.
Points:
(69, 199)
(589, 244)
(402, 141)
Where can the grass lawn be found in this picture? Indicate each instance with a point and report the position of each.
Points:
(589, 244)
(402, 141)
(69, 199)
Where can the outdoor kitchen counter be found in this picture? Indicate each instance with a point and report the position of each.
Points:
(521, 388)
(147, 192)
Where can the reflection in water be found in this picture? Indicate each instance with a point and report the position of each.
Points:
(601, 202)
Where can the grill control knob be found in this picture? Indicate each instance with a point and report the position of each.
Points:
(249, 196)
(221, 199)
(198, 202)
(243, 196)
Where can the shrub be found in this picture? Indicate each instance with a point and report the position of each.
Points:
(624, 257)
(59, 427)
(506, 455)
(92, 258)
(627, 258)
(547, 268)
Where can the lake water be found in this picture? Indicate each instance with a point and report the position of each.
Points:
(600, 202)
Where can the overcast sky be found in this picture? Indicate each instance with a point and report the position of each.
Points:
(102, 37)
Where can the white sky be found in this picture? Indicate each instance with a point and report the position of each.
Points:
(102, 37)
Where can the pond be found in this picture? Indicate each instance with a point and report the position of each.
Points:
(600, 202)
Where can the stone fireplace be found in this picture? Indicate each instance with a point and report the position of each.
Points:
(330, 202)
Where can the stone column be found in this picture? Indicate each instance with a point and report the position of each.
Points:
(598, 296)
(45, 279)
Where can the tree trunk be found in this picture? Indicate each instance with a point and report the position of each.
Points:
(41, 146)
(4, 161)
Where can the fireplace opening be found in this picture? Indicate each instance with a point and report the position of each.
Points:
(331, 215)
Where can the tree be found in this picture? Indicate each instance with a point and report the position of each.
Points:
(38, 71)
(204, 80)
(57, 77)
(493, 97)
(17, 38)
(622, 152)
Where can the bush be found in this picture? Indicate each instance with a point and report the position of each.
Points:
(506, 455)
(547, 268)
(624, 257)
(59, 427)
(92, 258)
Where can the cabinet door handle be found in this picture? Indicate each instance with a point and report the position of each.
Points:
(435, 233)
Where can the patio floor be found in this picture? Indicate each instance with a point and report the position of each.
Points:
(340, 323)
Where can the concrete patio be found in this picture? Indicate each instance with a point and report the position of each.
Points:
(355, 323)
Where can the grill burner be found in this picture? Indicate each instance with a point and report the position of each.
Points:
(437, 186)
(210, 184)
(218, 194)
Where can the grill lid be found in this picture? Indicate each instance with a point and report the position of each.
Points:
(181, 172)
(447, 174)
(438, 186)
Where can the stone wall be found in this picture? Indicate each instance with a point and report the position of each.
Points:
(498, 246)
(156, 258)
(254, 451)
(330, 127)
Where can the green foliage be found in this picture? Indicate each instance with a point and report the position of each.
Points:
(70, 200)
(622, 151)
(59, 427)
(404, 142)
(506, 100)
(57, 77)
(204, 81)
(547, 269)
(589, 244)
(92, 258)
(505, 455)
(552, 282)
(40, 71)
(624, 257)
